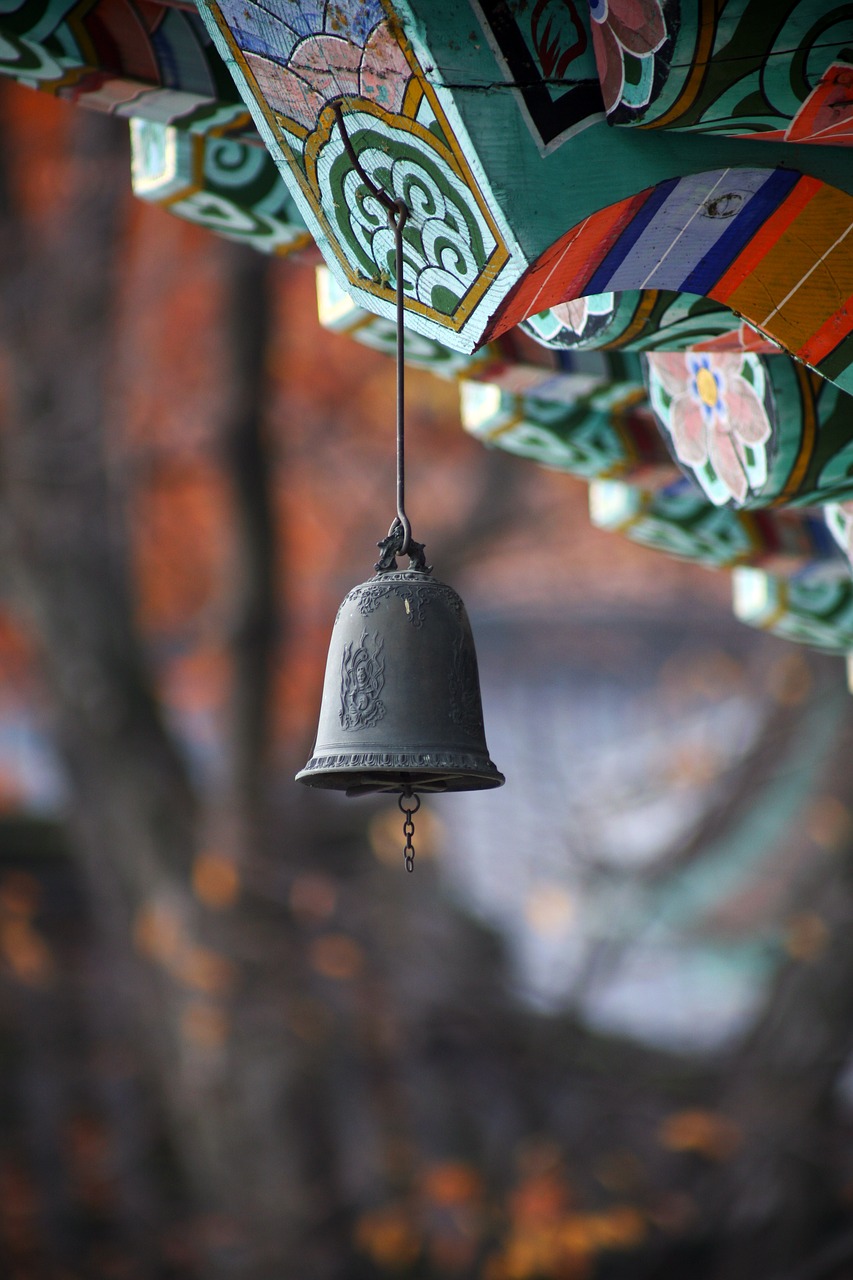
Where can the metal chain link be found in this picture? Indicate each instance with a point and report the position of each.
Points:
(409, 804)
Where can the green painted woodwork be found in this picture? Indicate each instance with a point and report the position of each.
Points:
(680, 521)
(815, 607)
(337, 311)
(480, 118)
(644, 320)
(441, 119)
(223, 183)
(606, 432)
(494, 123)
(510, 363)
(839, 522)
(142, 60)
(739, 67)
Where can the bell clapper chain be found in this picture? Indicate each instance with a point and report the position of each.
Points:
(409, 802)
(399, 541)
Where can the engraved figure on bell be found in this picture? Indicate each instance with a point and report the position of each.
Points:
(362, 679)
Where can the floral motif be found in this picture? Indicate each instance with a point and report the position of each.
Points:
(572, 315)
(558, 37)
(826, 116)
(712, 406)
(324, 66)
(571, 323)
(625, 35)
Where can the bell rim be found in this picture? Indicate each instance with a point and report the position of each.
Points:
(331, 773)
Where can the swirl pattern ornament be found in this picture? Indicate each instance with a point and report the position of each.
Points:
(447, 241)
(222, 183)
(28, 61)
(372, 595)
(362, 681)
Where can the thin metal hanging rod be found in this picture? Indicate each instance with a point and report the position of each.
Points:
(397, 212)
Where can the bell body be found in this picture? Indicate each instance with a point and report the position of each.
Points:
(401, 699)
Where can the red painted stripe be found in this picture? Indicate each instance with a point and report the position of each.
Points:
(829, 335)
(764, 239)
(561, 272)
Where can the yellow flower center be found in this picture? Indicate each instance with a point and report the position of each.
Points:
(706, 385)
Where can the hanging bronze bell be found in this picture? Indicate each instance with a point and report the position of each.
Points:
(401, 708)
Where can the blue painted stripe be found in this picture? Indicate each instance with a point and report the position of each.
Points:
(684, 232)
(740, 231)
(662, 246)
(599, 282)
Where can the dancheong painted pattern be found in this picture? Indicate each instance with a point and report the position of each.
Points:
(671, 321)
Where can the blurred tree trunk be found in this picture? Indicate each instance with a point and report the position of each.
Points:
(135, 815)
(257, 603)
